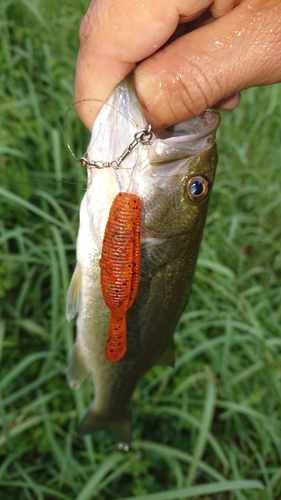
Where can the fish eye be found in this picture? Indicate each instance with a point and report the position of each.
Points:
(197, 188)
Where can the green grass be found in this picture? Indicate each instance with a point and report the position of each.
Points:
(208, 429)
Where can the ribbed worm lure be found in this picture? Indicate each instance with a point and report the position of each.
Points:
(120, 268)
(121, 252)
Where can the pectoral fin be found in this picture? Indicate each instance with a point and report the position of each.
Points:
(73, 295)
(77, 371)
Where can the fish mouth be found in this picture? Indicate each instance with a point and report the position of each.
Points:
(185, 139)
(196, 128)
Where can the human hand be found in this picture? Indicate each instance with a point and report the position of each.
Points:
(179, 80)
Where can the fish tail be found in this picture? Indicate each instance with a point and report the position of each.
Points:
(116, 344)
(120, 428)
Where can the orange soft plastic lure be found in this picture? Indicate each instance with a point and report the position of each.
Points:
(120, 268)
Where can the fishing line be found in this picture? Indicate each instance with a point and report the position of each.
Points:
(87, 100)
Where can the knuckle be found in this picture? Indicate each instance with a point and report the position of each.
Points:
(196, 93)
(221, 7)
(90, 23)
(85, 28)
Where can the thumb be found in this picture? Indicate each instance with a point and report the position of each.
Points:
(237, 51)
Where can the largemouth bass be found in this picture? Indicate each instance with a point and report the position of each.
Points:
(173, 178)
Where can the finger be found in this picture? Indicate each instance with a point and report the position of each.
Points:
(240, 50)
(229, 103)
(110, 48)
(222, 7)
(117, 34)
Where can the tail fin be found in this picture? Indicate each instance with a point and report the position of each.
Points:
(120, 428)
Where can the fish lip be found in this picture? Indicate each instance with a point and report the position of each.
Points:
(196, 128)
(184, 139)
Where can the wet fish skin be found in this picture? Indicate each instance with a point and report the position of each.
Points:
(172, 229)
